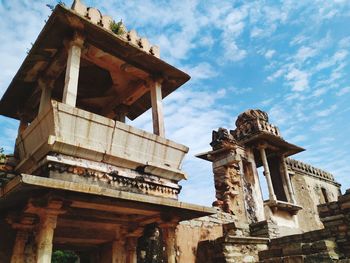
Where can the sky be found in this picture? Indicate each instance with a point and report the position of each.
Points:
(288, 58)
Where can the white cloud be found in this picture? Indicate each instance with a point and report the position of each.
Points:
(270, 53)
(239, 91)
(232, 27)
(201, 71)
(276, 75)
(343, 91)
(305, 53)
(326, 112)
(338, 57)
(298, 79)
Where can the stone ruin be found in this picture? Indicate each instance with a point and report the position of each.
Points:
(304, 219)
(81, 179)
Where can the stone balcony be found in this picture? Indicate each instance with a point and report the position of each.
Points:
(68, 131)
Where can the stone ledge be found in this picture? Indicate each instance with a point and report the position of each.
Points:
(284, 206)
(246, 240)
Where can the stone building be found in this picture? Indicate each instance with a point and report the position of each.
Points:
(82, 179)
(294, 224)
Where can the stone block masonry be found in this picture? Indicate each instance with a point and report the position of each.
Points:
(331, 244)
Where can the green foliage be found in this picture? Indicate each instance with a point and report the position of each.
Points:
(60, 256)
(117, 28)
(2, 155)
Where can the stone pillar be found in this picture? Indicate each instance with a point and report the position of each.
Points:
(23, 124)
(45, 96)
(18, 249)
(72, 71)
(272, 195)
(170, 242)
(47, 227)
(120, 113)
(118, 251)
(157, 108)
(287, 180)
(131, 247)
(24, 225)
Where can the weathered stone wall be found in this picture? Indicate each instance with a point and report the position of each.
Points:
(218, 238)
(310, 186)
(331, 244)
(191, 234)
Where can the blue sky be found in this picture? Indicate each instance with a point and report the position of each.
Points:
(289, 58)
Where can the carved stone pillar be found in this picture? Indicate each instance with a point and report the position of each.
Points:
(24, 225)
(170, 242)
(118, 251)
(48, 221)
(45, 237)
(118, 246)
(267, 174)
(131, 247)
(18, 249)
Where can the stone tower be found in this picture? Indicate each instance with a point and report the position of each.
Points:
(83, 179)
(236, 156)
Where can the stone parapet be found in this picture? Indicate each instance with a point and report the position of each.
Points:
(96, 17)
(308, 169)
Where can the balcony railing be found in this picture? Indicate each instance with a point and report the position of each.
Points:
(71, 131)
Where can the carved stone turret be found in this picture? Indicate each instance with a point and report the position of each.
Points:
(253, 122)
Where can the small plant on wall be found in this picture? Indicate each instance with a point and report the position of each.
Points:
(117, 27)
(2, 155)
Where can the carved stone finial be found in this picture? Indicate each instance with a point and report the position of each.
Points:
(250, 115)
(221, 138)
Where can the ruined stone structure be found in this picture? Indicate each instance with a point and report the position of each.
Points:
(302, 221)
(82, 179)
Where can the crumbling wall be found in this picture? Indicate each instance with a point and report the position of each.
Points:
(309, 194)
(218, 238)
(192, 236)
(331, 244)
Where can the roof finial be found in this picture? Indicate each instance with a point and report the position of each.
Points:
(79, 7)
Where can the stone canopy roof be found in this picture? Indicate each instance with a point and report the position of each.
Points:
(133, 55)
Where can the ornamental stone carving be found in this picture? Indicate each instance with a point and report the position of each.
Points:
(221, 138)
(253, 122)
